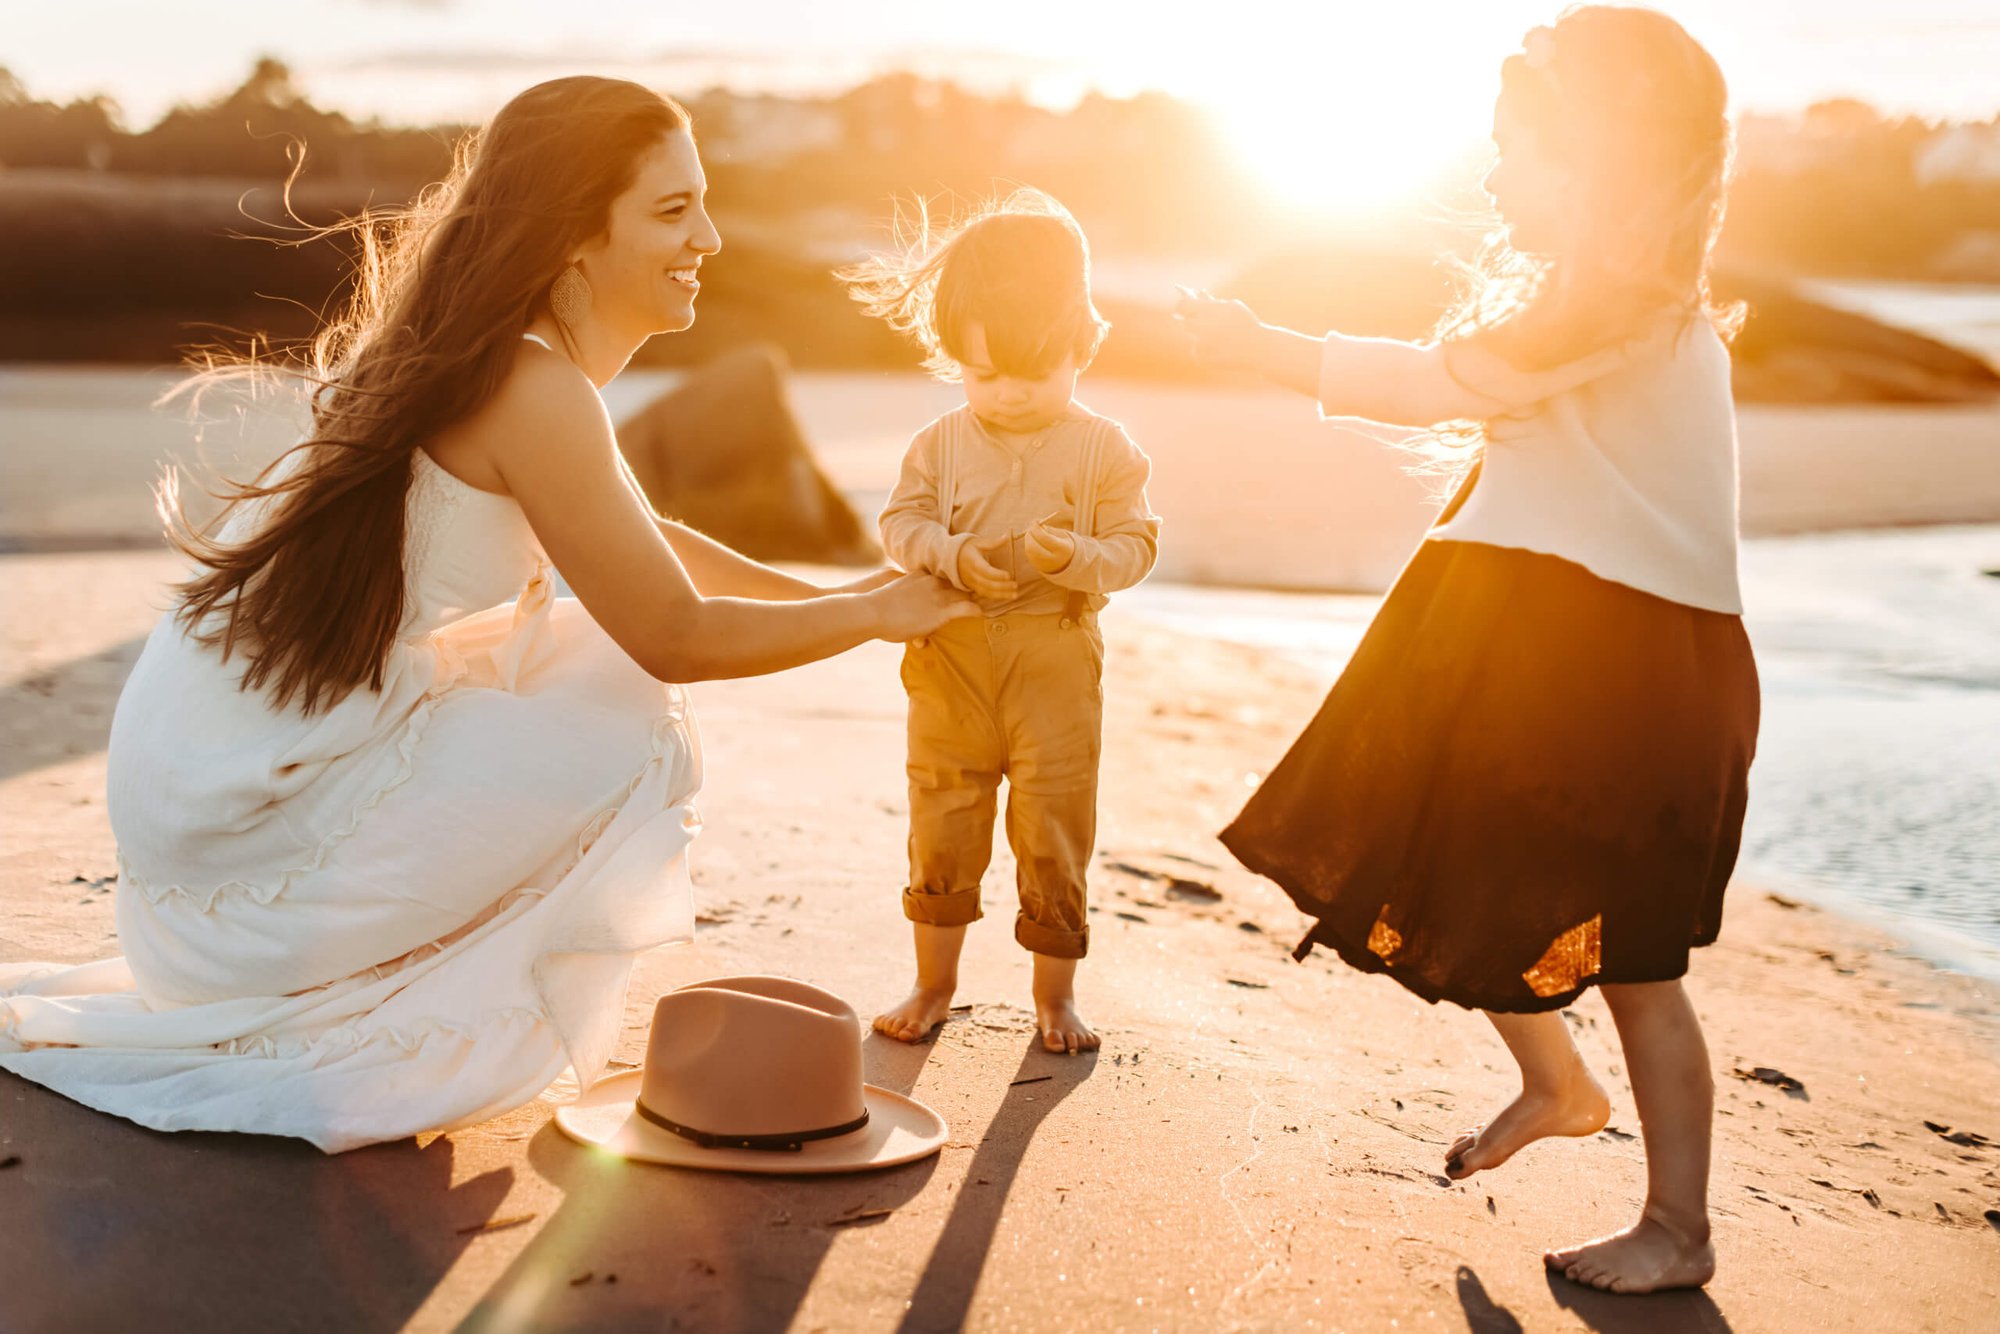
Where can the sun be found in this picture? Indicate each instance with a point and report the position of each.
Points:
(1339, 108)
(1319, 163)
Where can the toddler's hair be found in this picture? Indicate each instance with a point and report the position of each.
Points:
(1019, 267)
(1637, 112)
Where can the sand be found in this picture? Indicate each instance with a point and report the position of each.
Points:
(1256, 1147)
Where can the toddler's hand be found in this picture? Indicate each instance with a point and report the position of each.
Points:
(977, 571)
(1050, 550)
(1220, 331)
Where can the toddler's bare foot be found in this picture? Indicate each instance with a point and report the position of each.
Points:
(1578, 1109)
(1062, 1028)
(918, 1016)
(1650, 1256)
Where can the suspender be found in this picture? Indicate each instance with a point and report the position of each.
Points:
(947, 468)
(1084, 520)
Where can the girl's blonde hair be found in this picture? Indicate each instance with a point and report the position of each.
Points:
(1019, 267)
(1636, 111)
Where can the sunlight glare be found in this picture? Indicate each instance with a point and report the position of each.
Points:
(1343, 109)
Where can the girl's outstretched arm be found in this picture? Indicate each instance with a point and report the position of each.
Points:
(1229, 334)
(1380, 379)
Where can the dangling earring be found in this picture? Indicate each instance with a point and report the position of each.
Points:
(569, 297)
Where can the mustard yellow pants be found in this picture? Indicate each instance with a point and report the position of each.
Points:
(1019, 697)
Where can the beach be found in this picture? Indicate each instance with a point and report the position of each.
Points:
(1258, 1145)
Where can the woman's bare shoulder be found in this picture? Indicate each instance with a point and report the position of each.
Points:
(544, 405)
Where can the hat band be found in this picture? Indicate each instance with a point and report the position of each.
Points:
(792, 1141)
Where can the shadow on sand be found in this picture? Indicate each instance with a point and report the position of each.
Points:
(951, 1274)
(697, 1250)
(64, 711)
(1659, 1313)
(109, 1225)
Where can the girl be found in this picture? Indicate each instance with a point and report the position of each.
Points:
(1530, 780)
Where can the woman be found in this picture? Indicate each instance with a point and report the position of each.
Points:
(393, 820)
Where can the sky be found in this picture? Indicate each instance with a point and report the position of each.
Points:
(1409, 83)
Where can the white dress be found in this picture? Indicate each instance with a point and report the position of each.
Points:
(416, 910)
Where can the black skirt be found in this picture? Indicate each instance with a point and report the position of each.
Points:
(1528, 781)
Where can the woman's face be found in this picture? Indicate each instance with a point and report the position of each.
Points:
(1531, 192)
(643, 272)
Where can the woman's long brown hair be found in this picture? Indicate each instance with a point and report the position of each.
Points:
(311, 592)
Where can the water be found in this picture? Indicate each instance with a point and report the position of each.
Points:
(1877, 782)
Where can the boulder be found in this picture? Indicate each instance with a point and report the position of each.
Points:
(723, 452)
(1794, 349)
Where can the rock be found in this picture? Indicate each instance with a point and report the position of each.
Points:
(723, 453)
(1792, 349)
(1796, 350)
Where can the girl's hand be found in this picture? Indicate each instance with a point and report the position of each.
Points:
(977, 571)
(868, 583)
(915, 605)
(1050, 550)
(1222, 332)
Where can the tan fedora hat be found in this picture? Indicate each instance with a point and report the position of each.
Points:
(753, 1074)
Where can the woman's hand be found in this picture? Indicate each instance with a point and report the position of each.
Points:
(1223, 333)
(916, 605)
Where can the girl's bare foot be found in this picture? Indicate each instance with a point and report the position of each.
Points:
(1062, 1028)
(918, 1016)
(1650, 1256)
(1577, 1108)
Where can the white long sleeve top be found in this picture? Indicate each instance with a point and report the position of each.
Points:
(1624, 462)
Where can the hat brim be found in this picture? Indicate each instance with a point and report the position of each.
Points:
(899, 1130)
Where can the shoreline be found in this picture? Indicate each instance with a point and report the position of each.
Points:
(1328, 506)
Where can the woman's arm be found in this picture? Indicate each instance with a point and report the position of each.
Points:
(719, 570)
(548, 436)
(722, 571)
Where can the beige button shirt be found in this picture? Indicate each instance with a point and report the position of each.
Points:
(1004, 485)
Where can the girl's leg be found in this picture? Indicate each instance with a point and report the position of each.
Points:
(1558, 1096)
(1669, 1246)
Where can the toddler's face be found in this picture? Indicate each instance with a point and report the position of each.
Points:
(1013, 403)
(1529, 189)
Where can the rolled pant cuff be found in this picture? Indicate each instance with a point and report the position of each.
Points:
(1054, 941)
(958, 908)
